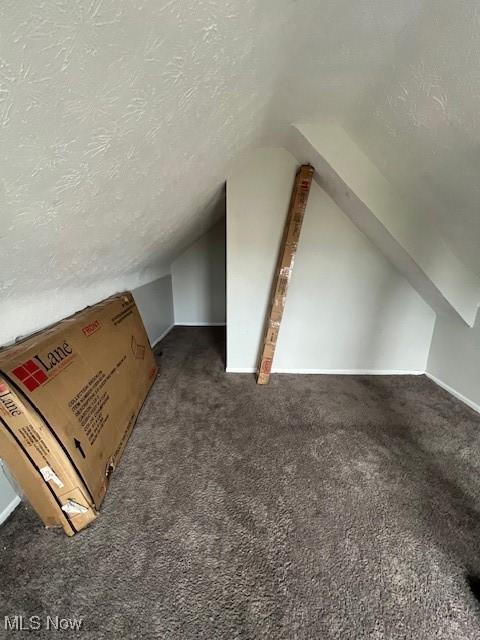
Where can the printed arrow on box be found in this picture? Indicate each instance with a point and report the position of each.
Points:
(78, 445)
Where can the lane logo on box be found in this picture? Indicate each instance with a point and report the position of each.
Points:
(33, 373)
(7, 401)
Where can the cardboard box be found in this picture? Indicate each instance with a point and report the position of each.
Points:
(69, 397)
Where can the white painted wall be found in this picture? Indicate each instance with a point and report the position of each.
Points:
(155, 303)
(454, 359)
(410, 240)
(8, 497)
(347, 308)
(198, 277)
(23, 315)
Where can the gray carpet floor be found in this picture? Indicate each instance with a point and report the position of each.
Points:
(329, 507)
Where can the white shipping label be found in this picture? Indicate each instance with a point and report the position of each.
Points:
(49, 474)
(73, 507)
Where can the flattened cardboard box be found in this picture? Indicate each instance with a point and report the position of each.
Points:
(69, 397)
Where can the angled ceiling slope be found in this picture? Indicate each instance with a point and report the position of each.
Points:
(118, 121)
(409, 240)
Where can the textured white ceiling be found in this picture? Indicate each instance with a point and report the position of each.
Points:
(118, 118)
(420, 124)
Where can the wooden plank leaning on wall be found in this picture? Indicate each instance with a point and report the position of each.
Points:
(283, 272)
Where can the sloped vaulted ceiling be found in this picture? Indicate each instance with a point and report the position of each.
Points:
(118, 119)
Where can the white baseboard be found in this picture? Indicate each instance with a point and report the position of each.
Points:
(9, 508)
(454, 392)
(167, 331)
(333, 372)
(200, 324)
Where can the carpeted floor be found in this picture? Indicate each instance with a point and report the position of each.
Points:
(318, 507)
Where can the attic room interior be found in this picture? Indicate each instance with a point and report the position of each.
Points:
(239, 339)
